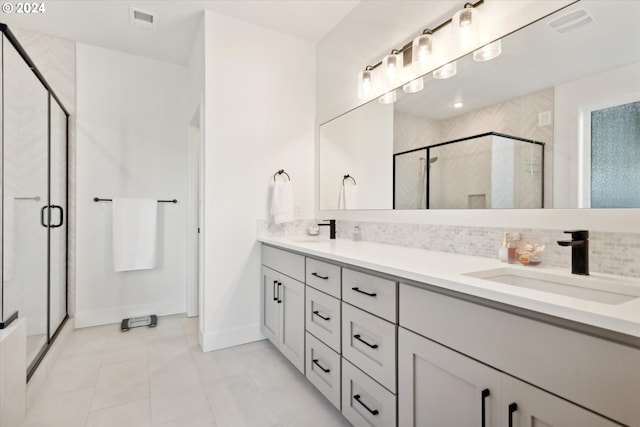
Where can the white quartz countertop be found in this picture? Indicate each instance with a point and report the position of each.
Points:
(448, 271)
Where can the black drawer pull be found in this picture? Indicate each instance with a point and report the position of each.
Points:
(373, 411)
(275, 298)
(512, 408)
(357, 336)
(485, 393)
(319, 276)
(279, 300)
(363, 292)
(326, 371)
(317, 313)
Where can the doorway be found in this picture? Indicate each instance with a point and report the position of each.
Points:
(194, 223)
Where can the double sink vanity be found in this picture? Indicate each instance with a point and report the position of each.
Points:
(393, 335)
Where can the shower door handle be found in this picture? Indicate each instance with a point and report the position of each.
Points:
(61, 216)
(44, 208)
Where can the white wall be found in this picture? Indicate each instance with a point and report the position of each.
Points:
(259, 118)
(574, 100)
(368, 33)
(131, 134)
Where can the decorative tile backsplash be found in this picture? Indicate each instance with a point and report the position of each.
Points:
(612, 253)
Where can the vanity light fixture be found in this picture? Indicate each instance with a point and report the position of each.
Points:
(446, 71)
(388, 98)
(365, 83)
(392, 69)
(389, 73)
(414, 86)
(488, 52)
(465, 26)
(422, 52)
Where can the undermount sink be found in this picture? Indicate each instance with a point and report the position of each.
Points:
(595, 288)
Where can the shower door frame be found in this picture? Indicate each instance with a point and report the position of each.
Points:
(51, 96)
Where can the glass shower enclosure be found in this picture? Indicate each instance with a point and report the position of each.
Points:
(486, 171)
(34, 201)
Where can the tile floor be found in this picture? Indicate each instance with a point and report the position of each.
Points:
(159, 377)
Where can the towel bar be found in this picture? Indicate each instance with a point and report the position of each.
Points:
(96, 199)
(280, 172)
(347, 176)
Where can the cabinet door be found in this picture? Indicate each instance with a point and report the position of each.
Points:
(438, 387)
(292, 321)
(270, 316)
(528, 406)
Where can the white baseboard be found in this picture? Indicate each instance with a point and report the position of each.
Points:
(84, 319)
(216, 340)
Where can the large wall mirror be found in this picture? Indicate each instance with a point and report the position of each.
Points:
(553, 122)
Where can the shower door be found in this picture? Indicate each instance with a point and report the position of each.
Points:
(34, 201)
(25, 197)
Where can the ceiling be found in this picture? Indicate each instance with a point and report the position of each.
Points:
(106, 23)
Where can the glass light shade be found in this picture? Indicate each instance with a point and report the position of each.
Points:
(422, 52)
(388, 98)
(446, 71)
(392, 70)
(414, 86)
(466, 28)
(488, 52)
(365, 84)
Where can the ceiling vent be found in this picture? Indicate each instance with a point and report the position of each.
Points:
(571, 21)
(141, 20)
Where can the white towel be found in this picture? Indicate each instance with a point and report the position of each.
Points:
(134, 234)
(282, 201)
(348, 198)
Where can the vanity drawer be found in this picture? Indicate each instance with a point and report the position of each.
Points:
(364, 401)
(370, 343)
(323, 317)
(323, 276)
(323, 369)
(285, 262)
(370, 293)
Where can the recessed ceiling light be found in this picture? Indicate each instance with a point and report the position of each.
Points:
(458, 104)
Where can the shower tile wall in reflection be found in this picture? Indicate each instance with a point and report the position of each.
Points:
(517, 117)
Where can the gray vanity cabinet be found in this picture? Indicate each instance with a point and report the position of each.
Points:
(440, 387)
(450, 350)
(282, 309)
(536, 407)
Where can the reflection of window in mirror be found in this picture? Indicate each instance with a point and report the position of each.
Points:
(614, 153)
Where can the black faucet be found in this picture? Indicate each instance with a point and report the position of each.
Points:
(579, 251)
(332, 227)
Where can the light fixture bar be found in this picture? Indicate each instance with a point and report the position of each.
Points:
(437, 28)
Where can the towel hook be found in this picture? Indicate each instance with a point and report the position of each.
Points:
(280, 172)
(347, 176)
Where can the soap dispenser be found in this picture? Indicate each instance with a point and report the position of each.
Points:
(503, 253)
